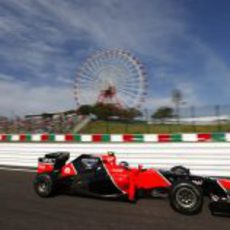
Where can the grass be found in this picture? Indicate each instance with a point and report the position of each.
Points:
(141, 127)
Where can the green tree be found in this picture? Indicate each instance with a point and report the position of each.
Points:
(130, 114)
(163, 112)
(106, 111)
(85, 110)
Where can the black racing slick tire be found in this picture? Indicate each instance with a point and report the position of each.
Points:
(186, 198)
(44, 185)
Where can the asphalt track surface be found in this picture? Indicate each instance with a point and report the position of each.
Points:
(21, 208)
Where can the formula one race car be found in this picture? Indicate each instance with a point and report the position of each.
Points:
(101, 176)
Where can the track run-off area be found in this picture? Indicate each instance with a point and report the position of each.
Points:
(21, 209)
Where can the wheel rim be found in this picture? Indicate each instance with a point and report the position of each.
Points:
(42, 187)
(186, 198)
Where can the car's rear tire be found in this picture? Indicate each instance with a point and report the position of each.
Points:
(44, 185)
(186, 198)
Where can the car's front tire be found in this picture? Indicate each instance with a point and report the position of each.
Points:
(44, 185)
(186, 198)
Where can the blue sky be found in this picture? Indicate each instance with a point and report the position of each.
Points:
(183, 44)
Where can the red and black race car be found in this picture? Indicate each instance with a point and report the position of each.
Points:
(101, 176)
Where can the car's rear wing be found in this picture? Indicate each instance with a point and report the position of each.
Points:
(52, 161)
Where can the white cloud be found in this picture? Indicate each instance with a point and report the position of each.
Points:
(144, 28)
(65, 80)
(5, 77)
(48, 40)
(155, 102)
(22, 98)
(189, 94)
(189, 97)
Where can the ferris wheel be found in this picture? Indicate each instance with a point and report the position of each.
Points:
(111, 77)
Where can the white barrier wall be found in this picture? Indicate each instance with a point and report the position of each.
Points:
(202, 158)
